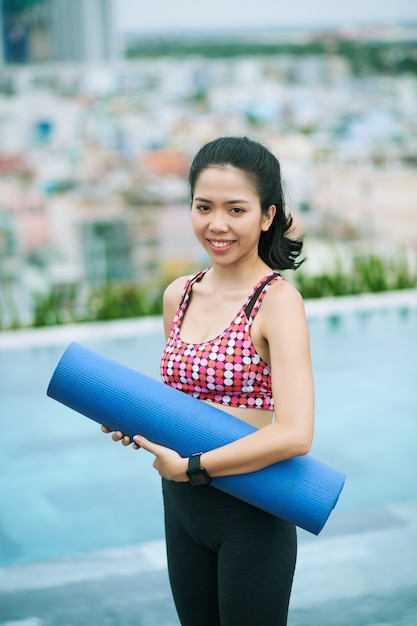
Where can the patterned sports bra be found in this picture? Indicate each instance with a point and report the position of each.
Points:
(227, 369)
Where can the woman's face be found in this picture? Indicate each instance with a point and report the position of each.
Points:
(226, 215)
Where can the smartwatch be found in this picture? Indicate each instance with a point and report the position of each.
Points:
(197, 474)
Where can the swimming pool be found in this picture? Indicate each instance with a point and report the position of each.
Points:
(65, 488)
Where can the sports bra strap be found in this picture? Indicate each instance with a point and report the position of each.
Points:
(248, 308)
(254, 298)
(188, 286)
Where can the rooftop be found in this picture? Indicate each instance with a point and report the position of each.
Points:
(360, 571)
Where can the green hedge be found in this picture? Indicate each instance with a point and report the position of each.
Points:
(112, 301)
(368, 274)
(65, 305)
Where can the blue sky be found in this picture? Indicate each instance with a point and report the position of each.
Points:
(197, 15)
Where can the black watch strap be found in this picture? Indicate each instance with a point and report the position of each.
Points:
(197, 475)
(194, 462)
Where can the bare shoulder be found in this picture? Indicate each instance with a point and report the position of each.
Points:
(171, 300)
(172, 293)
(282, 302)
(285, 294)
(283, 323)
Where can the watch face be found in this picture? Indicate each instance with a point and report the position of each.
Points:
(199, 479)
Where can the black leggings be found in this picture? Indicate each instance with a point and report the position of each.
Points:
(229, 562)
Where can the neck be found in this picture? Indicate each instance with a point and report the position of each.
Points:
(241, 276)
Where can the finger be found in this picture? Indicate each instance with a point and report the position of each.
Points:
(117, 435)
(105, 429)
(140, 441)
(144, 443)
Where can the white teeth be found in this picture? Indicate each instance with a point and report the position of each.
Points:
(220, 244)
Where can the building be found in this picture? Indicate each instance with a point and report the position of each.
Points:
(372, 202)
(44, 31)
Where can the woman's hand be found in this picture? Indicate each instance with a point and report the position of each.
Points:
(168, 463)
(119, 436)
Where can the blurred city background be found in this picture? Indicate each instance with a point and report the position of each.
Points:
(103, 104)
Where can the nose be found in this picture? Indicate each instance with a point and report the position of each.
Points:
(218, 222)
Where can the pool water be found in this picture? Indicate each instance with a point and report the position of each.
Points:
(66, 488)
(365, 369)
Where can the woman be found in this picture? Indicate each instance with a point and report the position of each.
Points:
(230, 563)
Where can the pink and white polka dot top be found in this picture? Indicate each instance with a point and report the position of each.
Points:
(227, 369)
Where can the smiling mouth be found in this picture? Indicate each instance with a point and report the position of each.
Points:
(220, 244)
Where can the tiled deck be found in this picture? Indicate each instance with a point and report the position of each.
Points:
(360, 571)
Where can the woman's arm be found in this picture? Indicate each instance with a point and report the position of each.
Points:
(284, 326)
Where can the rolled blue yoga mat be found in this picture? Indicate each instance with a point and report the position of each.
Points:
(301, 490)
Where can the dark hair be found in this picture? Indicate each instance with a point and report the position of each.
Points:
(275, 248)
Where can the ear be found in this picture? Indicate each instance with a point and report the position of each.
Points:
(267, 218)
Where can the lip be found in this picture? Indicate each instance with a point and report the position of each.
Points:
(227, 244)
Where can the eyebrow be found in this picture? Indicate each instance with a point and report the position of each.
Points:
(238, 201)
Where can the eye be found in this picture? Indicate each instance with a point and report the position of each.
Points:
(203, 208)
(236, 210)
